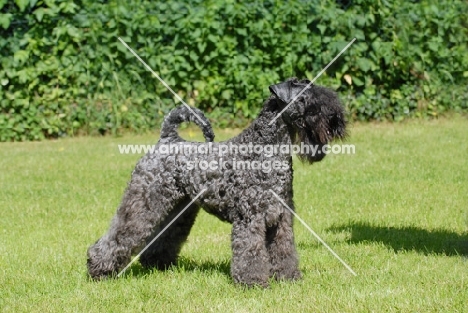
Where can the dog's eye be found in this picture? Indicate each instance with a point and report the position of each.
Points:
(300, 121)
(313, 110)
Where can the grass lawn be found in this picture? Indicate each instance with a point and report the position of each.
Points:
(396, 212)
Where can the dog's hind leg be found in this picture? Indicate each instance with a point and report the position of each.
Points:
(143, 208)
(164, 251)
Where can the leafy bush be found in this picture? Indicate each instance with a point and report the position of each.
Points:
(64, 72)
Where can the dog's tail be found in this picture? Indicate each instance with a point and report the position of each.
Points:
(185, 114)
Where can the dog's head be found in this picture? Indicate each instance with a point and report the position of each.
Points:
(313, 113)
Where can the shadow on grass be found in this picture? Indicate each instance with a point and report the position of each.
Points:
(438, 241)
(184, 265)
(210, 266)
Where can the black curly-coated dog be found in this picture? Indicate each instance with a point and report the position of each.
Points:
(235, 179)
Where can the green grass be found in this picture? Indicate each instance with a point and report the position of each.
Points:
(396, 212)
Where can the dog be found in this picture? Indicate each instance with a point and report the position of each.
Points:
(224, 182)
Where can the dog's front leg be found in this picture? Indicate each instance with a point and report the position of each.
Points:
(282, 250)
(250, 264)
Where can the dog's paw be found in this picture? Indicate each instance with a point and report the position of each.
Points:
(290, 276)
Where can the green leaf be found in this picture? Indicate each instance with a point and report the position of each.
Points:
(5, 20)
(241, 31)
(364, 64)
(21, 56)
(357, 81)
(201, 46)
(39, 13)
(226, 94)
(22, 4)
(193, 56)
(2, 3)
(73, 32)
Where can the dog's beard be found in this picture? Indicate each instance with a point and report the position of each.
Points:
(337, 127)
(316, 133)
(314, 153)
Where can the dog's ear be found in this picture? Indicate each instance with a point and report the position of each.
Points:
(288, 90)
(282, 91)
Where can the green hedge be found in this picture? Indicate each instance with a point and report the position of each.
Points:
(64, 72)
